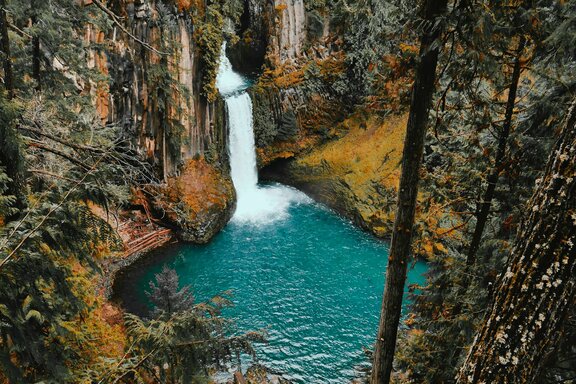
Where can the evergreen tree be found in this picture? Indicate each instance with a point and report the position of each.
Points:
(185, 339)
(535, 292)
(166, 295)
(7, 59)
(448, 310)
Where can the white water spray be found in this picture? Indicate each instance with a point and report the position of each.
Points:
(256, 204)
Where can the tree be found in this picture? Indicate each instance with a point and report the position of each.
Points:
(486, 202)
(184, 339)
(11, 153)
(535, 292)
(6, 201)
(36, 53)
(7, 62)
(165, 294)
(423, 89)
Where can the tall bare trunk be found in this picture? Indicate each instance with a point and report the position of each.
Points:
(536, 290)
(422, 93)
(36, 53)
(485, 204)
(8, 73)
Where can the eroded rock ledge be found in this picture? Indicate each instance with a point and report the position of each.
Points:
(199, 202)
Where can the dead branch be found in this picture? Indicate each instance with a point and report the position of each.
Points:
(115, 20)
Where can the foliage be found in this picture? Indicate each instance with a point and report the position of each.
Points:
(210, 29)
(56, 158)
(38, 298)
(183, 340)
(370, 31)
(166, 297)
(475, 76)
(11, 155)
(209, 38)
(6, 201)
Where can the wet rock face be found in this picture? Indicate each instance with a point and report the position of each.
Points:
(199, 202)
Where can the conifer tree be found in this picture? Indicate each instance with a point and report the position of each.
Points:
(166, 295)
(536, 290)
(184, 339)
(7, 59)
(499, 161)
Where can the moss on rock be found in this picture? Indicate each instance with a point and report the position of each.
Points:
(199, 202)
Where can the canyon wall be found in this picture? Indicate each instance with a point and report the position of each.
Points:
(295, 102)
(295, 53)
(155, 86)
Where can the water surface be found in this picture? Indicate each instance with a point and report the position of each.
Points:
(311, 279)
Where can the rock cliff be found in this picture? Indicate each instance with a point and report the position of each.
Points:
(155, 85)
(305, 130)
(158, 86)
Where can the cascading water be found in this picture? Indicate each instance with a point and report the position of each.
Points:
(256, 204)
(311, 279)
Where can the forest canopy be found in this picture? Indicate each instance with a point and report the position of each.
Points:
(446, 128)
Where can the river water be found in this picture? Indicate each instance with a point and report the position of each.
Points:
(305, 275)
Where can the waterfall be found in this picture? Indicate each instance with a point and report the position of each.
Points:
(256, 204)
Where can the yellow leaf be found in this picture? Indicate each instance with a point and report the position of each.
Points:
(440, 247)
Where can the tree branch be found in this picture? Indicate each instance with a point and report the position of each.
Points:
(116, 21)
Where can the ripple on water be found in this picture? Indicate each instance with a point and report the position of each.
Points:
(312, 280)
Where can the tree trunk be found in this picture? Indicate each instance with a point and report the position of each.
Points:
(535, 292)
(422, 93)
(36, 53)
(484, 208)
(8, 74)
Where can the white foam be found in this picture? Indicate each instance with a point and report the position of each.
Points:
(228, 81)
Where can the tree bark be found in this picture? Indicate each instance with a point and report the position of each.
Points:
(422, 92)
(485, 204)
(36, 61)
(8, 73)
(535, 292)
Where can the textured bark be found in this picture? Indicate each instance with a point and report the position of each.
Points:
(484, 205)
(422, 92)
(535, 292)
(36, 53)
(8, 74)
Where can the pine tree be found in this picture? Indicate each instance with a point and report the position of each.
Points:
(535, 292)
(499, 161)
(185, 339)
(166, 295)
(7, 59)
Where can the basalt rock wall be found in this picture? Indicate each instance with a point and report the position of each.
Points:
(297, 58)
(154, 89)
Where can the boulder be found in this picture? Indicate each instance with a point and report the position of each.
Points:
(199, 202)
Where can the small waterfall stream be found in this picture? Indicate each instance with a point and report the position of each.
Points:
(256, 204)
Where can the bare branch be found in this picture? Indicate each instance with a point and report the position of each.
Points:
(116, 21)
